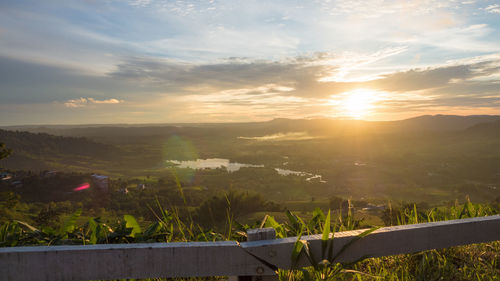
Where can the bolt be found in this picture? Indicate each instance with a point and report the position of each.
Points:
(259, 270)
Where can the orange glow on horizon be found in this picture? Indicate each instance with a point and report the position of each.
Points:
(357, 103)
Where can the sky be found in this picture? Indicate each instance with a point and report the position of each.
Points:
(156, 61)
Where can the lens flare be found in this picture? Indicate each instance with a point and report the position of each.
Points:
(180, 148)
(82, 187)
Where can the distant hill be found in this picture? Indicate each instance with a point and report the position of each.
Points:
(427, 123)
(42, 151)
(444, 122)
(486, 129)
(122, 134)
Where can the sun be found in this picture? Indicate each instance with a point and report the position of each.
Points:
(356, 103)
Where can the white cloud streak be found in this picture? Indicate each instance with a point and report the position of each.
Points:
(494, 9)
(83, 102)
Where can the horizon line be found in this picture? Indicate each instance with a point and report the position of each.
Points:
(242, 122)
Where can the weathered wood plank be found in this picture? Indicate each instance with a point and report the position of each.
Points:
(115, 261)
(384, 241)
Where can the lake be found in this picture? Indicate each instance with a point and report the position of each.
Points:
(214, 163)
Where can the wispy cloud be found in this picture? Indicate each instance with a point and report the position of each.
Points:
(495, 9)
(82, 102)
(282, 137)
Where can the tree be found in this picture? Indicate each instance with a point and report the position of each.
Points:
(4, 152)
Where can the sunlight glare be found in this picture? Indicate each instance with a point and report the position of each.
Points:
(357, 103)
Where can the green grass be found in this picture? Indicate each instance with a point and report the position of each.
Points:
(472, 262)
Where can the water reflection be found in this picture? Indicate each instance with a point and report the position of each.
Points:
(212, 163)
(310, 177)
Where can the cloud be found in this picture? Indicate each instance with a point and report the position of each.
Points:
(282, 137)
(243, 60)
(495, 9)
(348, 62)
(31, 82)
(244, 89)
(139, 3)
(176, 77)
(453, 74)
(417, 79)
(376, 8)
(301, 75)
(83, 102)
(305, 77)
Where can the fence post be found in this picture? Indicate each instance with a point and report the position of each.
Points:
(256, 234)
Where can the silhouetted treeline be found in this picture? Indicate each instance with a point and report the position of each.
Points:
(45, 144)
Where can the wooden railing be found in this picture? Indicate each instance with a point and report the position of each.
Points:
(256, 259)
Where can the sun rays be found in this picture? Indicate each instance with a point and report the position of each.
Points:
(356, 104)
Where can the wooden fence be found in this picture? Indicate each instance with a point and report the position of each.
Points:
(256, 259)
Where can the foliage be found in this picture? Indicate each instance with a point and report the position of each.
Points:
(232, 204)
(479, 262)
(416, 213)
(4, 152)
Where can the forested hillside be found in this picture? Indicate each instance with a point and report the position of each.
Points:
(43, 151)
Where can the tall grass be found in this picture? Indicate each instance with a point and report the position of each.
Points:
(472, 262)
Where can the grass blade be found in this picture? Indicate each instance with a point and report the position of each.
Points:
(326, 235)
